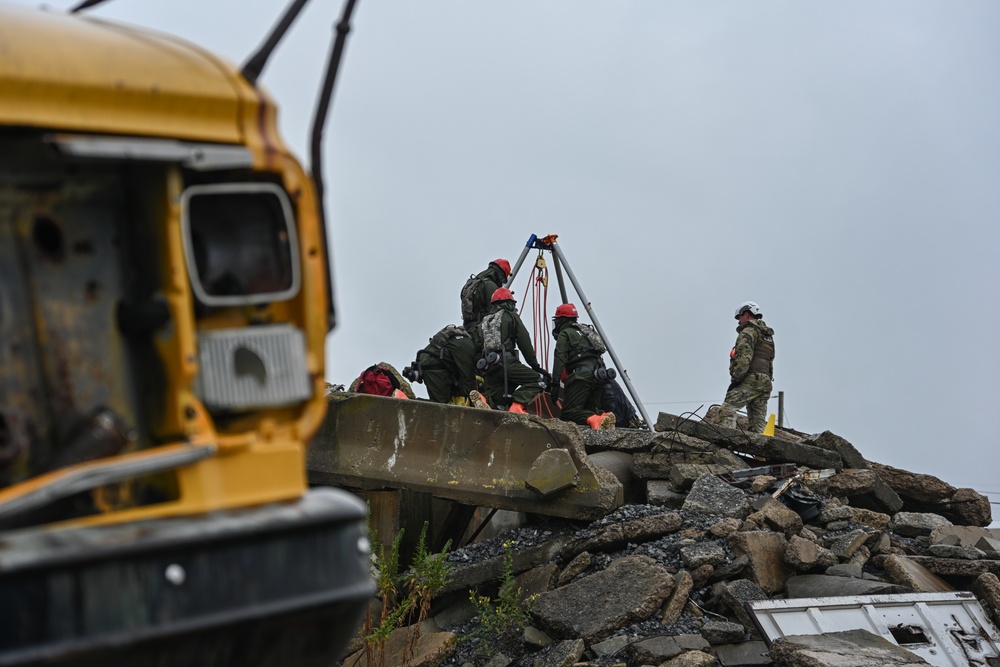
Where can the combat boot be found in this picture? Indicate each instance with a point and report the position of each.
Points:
(478, 401)
(607, 421)
(517, 408)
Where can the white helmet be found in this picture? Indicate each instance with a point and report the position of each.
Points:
(748, 307)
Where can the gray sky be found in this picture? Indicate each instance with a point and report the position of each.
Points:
(838, 163)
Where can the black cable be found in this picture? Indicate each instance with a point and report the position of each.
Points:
(86, 4)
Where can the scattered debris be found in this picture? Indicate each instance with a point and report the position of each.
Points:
(735, 526)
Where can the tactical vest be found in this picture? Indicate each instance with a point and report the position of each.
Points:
(763, 355)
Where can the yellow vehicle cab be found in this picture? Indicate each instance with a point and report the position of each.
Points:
(163, 311)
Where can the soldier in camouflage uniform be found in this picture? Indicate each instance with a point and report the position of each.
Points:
(478, 292)
(578, 353)
(503, 332)
(751, 367)
(447, 366)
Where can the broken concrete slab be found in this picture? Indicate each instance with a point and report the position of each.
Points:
(537, 580)
(744, 654)
(691, 659)
(849, 648)
(661, 492)
(805, 555)
(771, 449)
(927, 493)
(428, 650)
(870, 518)
(576, 566)
(822, 586)
(766, 553)
(851, 457)
(710, 495)
(844, 546)
(966, 536)
(905, 572)
(471, 575)
(736, 593)
(683, 585)
(955, 551)
(696, 555)
(849, 482)
(987, 590)
(989, 546)
(722, 632)
(592, 608)
(844, 570)
(968, 507)
(915, 524)
(684, 475)
(777, 516)
(656, 650)
(615, 536)
(954, 567)
(553, 471)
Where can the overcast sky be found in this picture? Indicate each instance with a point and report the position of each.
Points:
(838, 163)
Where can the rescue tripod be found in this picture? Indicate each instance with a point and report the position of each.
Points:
(559, 262)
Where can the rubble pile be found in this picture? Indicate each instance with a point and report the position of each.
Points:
(718, 518)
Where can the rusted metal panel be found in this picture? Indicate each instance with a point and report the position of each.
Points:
(477, 457)
(946, 629)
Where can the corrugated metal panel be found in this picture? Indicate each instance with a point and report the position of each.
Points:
(945, 629)
(255, 367)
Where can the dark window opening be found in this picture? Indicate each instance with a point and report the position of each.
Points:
(241, 244)
(909, 634)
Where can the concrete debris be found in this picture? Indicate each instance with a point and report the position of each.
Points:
(850, 648)
(666, 581)
(594, 607)
(711, 495)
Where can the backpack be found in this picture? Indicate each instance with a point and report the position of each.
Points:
(378, 381)
(441, 338)
(490, 327)
(593, 337)
(469, 291)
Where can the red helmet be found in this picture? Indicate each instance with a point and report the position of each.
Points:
(503, 264)
(567, 310)
(502, 294)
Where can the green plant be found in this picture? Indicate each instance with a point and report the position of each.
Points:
(503, 618)
(374, 633)
(426, 577)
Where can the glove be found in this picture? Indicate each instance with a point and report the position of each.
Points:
(546, 376)
(554, 392)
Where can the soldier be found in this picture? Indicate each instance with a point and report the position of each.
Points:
(751, 367)
(578, 352)
(501, 334)
(478, 291)
(447, 366)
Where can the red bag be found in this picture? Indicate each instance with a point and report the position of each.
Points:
(377, 381)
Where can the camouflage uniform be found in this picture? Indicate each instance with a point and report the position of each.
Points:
(575, 355)
(449, 369)
(526, 383)
(751, 367)
(489, 280)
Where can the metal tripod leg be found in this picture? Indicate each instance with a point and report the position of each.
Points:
(558, 254)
